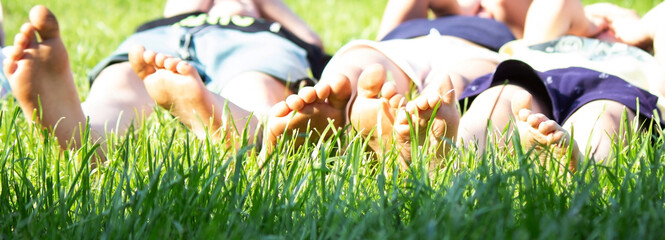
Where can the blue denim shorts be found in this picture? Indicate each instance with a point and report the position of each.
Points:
(220, 54)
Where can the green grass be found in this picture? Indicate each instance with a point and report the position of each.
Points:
(160, 182)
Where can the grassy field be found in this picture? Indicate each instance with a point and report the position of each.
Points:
(162, 182)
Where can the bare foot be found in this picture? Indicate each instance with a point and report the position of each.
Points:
(374, 109)
(313, 108)
(445, 120)
(176, 86)
(41, 78)
(541, 133)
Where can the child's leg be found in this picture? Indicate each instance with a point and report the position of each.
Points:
(375, 107)
(42, 82)
(659, 54)
(538, 132)
(266, 91)
(492, 105)
(41, 78)
(342, 77)
(175, 85)
(439, 95)
(595, 125)
(313, 109)
(654, 20)
(177, 7)
(117, 99)
(375, 69)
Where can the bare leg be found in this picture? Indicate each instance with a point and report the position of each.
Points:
(117, 99)
(375, 107)
(443, 129)
(175, 85)
(41, 78)
(270, 90)
(461, 74)
(542, 134)
(177, 7)
(492, 105)
(659, 53)
(314, 108)
(595, 125)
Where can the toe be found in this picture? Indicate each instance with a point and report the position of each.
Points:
(307, 94)
(280, 109)
(171, 64)
(323, 91)
(45, 22)
(547, 127)
(14, 53)
(138, 63)
(523, 115)
(397, 101)
(556, 137)
(23, 39)
(535, 120)
(136, 54)
(159, 60)
(187, 69)
(402, 123)
(340, 92)
(388, 90)
(410, 106)
(433, 100)
(422, 103)
(294, 102)
(149, 57)
(9, 66)
(371, 81)
(449, 97)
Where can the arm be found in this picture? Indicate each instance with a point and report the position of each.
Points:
(399, 11)
(627, 27)
(549, 19)
(278, 11)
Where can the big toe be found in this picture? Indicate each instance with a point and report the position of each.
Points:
(280, 109)
(45, 22)
(138, 62)
(371, 81)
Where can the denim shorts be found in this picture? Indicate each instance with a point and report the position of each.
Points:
(220, 54)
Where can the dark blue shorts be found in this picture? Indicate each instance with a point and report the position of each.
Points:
(566, 89)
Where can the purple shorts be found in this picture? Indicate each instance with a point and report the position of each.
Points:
(566, 89)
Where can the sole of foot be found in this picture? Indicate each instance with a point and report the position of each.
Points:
(434, 117)
(375, 107)
(38, 70)
(540, 133)
(312, 110)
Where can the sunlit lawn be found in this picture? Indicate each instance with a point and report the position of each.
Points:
(160, 182)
